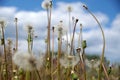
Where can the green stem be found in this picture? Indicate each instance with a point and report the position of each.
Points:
(27, 75)
(73, 37)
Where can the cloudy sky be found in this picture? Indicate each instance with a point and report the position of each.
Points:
(31, 12)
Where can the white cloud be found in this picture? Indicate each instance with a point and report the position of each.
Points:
(39, 22)
(116, 23)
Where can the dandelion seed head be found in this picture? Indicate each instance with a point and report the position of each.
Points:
(29, 28)
(69, 60)
(92, 63)
(3, 22)
(27, 61)
(46, 4)
(60, 28)
(9, 41)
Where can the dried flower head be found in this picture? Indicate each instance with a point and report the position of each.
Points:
(27, 61)
(69, 8)
(85, 6)
(46, 4)
(16, 19)
(77, 20)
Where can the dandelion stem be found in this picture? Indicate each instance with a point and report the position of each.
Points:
(49, 11)
(5, 55)
(73, 37)
(59, 52)
(70, 25)
(38, 74)
(52, 67)
(105, 71)
(27, 75)
(16, 20)
(103, 36)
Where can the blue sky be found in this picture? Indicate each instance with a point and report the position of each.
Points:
(109, 7)
(30, 11)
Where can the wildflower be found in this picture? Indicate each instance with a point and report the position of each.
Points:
(27, 61)
(46, 4)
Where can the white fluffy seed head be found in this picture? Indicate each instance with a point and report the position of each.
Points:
(46, 4)
(27, 61)
(29, 28)
(68, 60)
(60, 28)
(2, 23)
(92, 63)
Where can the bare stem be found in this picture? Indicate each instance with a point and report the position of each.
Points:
(5, 55)
(38, 74)
(73, 37)
(16, 20)
(103, 36)
(52, 67)
(59, 52)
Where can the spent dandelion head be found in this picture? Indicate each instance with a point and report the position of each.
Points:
(77, 20)
(80, 26)
(16, 19)
(69, 8)
(85, 7)
(46, 4)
